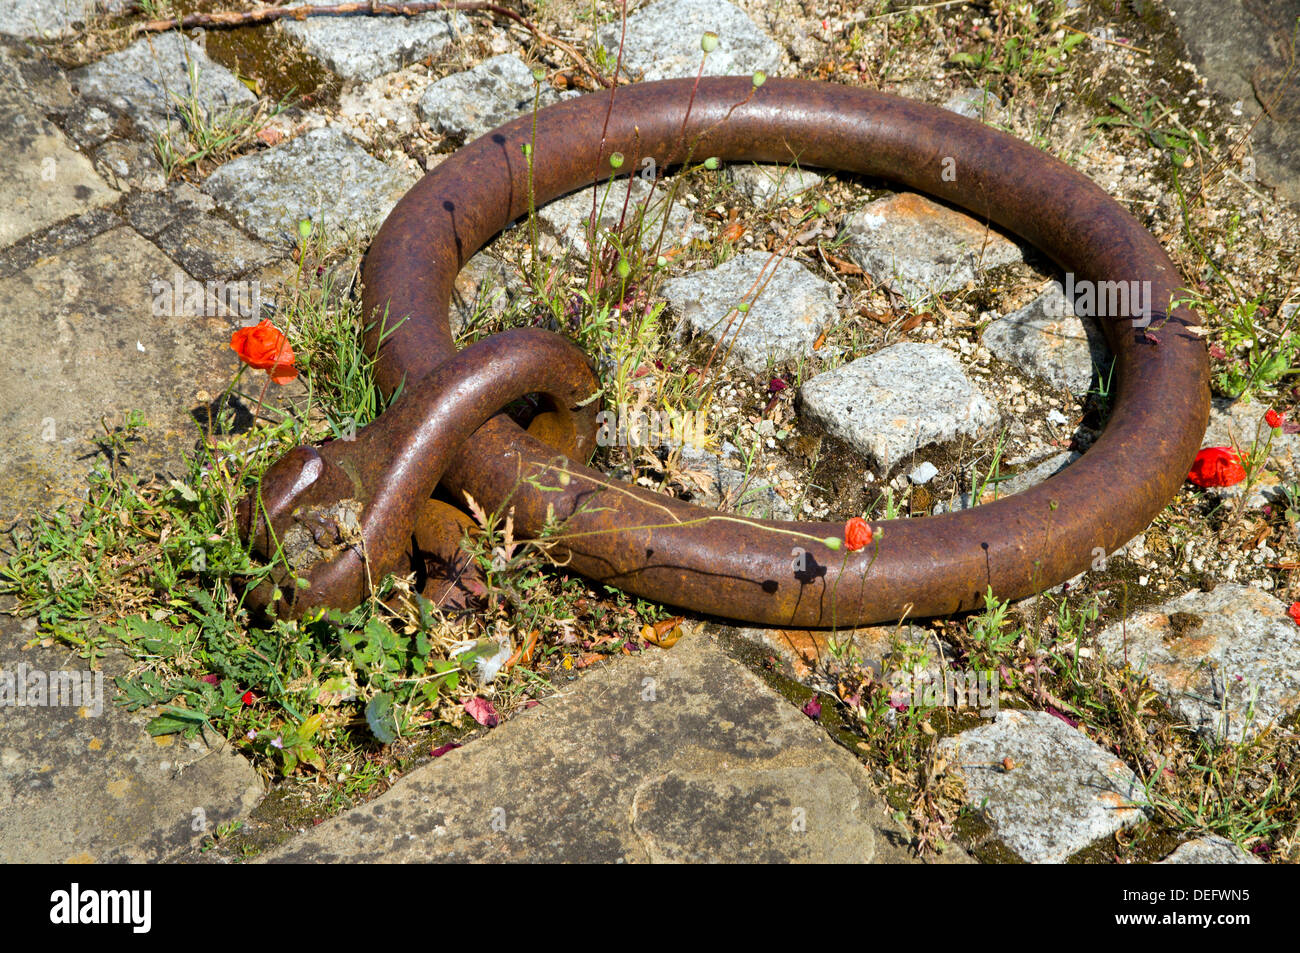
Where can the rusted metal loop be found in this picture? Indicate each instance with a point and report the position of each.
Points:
(347, 512)
(688, 557)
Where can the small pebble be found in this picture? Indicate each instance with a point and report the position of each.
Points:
(923, 474)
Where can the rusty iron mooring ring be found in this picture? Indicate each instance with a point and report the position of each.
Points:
(346, 513)
(635, 539)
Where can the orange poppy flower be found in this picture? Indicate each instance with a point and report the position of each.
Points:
(857, 534)
(265, 348)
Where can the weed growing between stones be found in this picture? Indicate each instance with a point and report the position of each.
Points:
(119, 573)
(152, 568)
(1045, 658)
(209, 136)
(1017, 43)
(614, 313)
(1015, 63)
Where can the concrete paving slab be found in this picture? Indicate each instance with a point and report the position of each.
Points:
(679, 755)
(82, 781)
(84, 346)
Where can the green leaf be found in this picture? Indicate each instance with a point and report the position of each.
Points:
(175, 719)
(309, 755)
(380, 718)
(1118, 103)
(422, 645)
(142, 693)
(137, 627)
(309, 728)
(186, 492)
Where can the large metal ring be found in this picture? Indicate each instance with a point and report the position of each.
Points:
(341, 516)
(672, 552)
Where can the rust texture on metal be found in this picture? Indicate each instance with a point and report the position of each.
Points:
(349, 511)
(679, 554)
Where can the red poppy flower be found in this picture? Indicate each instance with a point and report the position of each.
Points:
(265, 348)
(1294, 612)
(1273, 418)
(248, 698)
(857, 534)
(1217, 466)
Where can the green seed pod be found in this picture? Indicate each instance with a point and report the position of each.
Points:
(711, 163)
(709, 41)
(743, 307)
(661, 262)
(833, 542)
(539, 74)
(304, 228)
(823, 207)
(527, 147)
(623, 268)
(616, 160)
(759, 78)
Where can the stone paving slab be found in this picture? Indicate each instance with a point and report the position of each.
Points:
(466, 105)
(891, 403)
(146, 79)
(1212, 655)
(671, 756)
(209, 248)
(67, 234)
(91, 124)
(321, 175)
(82, 781)
(84, 344)
(663, 41)
(151, 213)
(1047, 339)
(44, 178)
(920, 247)
(129, 165)
(1210, 850)
(794, 307)
(363, 47)
(1058, 793)
(1237, 44)
(43, 19)
(26, 68)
